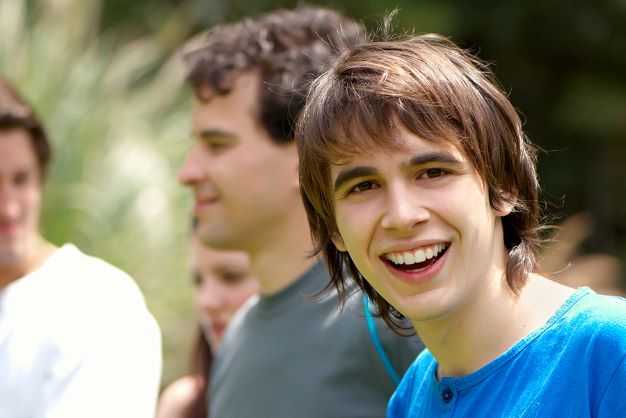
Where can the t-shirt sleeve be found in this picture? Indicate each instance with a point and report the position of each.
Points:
(613, 401)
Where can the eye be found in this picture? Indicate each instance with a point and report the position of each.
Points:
(363, 187)
(216, 146)
(21, 178)
(432, 173)
(233, 277)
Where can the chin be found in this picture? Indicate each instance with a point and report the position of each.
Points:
(425, 306)
(216, 342)
(11, 257)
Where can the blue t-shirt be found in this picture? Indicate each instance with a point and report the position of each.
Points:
(573, 366)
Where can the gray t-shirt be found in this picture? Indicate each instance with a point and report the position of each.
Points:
(290, 356)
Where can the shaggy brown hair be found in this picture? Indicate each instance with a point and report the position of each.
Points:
(440, 93)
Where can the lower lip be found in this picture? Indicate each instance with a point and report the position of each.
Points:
(204, 205)
(218, 332)
(8, 229)
(420, 276)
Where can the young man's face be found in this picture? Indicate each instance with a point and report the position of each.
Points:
(224, 284)
(244, 184)
(20, 197)
(418, 225)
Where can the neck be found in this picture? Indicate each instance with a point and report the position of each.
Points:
(479, 334)
(282, 258)
(496, 320)
(37, 254)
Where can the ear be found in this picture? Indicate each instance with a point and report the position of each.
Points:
(507, 204)
(338, 241)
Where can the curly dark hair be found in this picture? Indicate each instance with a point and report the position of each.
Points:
(16, 113)
(289, 49)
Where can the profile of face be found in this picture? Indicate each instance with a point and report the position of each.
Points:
(223, 283)
(243, 182)
(418, 225)
(20, 197)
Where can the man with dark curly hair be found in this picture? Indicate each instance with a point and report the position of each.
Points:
(286, 354)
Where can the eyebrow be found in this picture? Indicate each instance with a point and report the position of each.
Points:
(227, 268)
(422, 159)
(212, 133)
(441, 157)
(352, 173)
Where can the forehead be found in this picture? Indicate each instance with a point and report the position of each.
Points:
(397, 143)
(227, 111)
(16, 149)
(209, 259)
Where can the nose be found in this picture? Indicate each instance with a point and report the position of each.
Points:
(194, 167)
(404, 209)
(210, 297)
(9, 206)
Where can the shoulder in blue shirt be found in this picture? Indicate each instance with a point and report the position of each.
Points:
(573, 366)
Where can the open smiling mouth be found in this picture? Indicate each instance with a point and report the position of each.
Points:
(416, 260)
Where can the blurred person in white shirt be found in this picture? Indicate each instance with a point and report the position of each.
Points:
(76, 337)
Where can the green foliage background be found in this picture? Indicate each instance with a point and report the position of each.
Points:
(107, 81)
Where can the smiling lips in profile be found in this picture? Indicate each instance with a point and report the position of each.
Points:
(8, 228)
(204, 202)
(418, 263)
(218, 329)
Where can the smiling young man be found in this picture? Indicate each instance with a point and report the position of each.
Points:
(76, 338)
(284, 355)
(418, 179)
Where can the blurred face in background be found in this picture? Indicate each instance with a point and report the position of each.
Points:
(244, 184)
(223, 284)
(20, 199)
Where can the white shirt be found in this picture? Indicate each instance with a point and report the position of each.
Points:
(77, 340)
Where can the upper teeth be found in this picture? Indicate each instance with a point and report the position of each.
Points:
(416, 256)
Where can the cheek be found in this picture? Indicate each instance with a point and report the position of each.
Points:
(236, 299)
(240, 295)
(348, 234)
(254, 180)
(31, 203)
(467, 201)
(355, 237)
(357, 224)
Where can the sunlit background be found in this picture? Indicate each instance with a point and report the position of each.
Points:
(106, 79)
